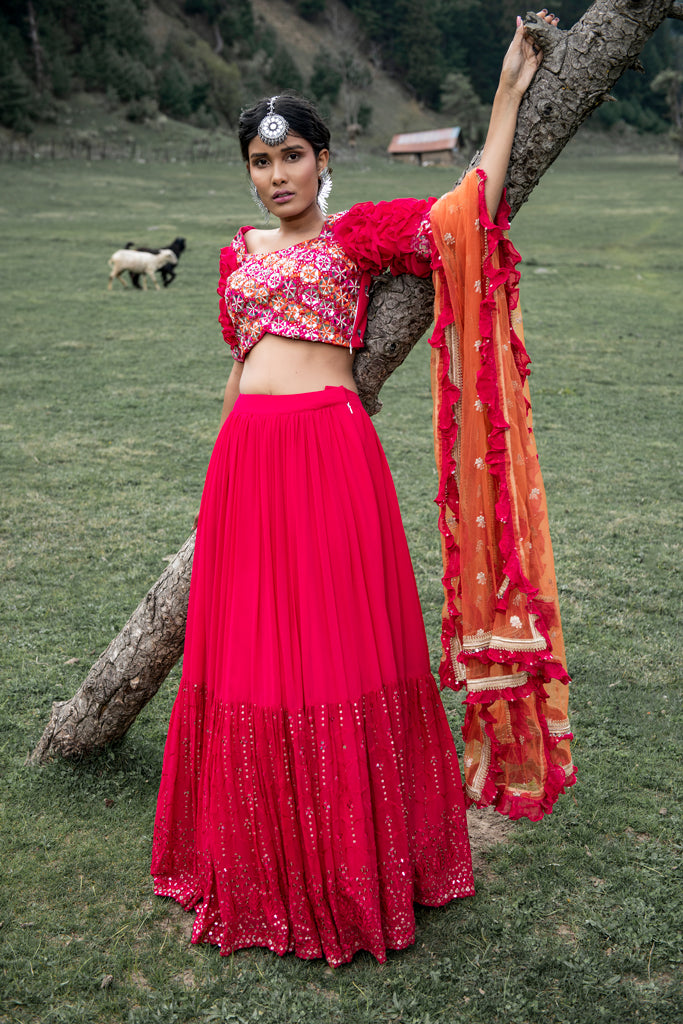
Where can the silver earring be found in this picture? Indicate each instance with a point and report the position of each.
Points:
(324, 189)
(263, 209)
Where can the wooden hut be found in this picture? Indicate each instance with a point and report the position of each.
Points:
(438, 146)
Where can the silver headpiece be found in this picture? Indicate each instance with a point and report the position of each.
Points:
(273, 129)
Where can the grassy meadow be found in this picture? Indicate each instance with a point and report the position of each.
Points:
(109, 404)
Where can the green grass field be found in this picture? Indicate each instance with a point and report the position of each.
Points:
(109, 406)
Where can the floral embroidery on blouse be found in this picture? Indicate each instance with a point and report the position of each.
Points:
(423, 240)
(317, 290)
(309, 291)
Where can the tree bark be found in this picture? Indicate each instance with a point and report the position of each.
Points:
(36, 48)
(579, 68)
(128, 674)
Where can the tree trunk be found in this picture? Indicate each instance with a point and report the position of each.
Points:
(128, 674)
(580, 66)
(36, 48)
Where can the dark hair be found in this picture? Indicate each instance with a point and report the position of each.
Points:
(299, 113)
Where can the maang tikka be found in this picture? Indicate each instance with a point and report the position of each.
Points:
(273, 129)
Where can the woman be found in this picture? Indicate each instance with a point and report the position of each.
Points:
(310, 792)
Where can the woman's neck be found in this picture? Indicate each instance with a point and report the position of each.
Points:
(300, 227)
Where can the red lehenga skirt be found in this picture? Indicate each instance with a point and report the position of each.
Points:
(310, 790)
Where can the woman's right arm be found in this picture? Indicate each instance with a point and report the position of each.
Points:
(232, 390)
(522, 60)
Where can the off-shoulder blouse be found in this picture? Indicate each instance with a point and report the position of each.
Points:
(318, 290)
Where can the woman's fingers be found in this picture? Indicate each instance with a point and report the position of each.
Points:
(552, 19)
(524, 56)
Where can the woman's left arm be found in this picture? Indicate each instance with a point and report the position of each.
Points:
(519, 67)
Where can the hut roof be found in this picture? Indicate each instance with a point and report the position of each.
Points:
(432, 141)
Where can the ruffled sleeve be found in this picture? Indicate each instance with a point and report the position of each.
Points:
(394, 235)
(228, 264)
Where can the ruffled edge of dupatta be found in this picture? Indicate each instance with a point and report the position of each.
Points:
(516, 728)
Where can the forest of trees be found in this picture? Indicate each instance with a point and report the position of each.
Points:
(447, 53)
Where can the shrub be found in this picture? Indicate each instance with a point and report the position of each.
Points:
(225, 92)
(17, 94)
(326, 78)
(174, 90)
(127, 76)
(60, 77)
(237, 27)
(204, 118)
(310, 9)
(140, 111)
(364, 116)
(284, 74)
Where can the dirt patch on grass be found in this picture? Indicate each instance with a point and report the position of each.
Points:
(487, 829)
(324, 993)
(177, 920)
(186, 979)
(139, 981)
(568, 935)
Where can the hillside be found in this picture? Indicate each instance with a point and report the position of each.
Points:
(136, 77)
(191, 101)
(394, 109)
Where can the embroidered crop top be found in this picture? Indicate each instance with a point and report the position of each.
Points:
(318, 290)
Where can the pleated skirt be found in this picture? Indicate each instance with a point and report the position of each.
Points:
(310, 790)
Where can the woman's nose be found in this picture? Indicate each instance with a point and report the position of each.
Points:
(279, 172)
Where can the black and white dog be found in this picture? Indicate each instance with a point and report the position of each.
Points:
(167, 271)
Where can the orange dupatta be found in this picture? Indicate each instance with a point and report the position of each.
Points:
(501, 630)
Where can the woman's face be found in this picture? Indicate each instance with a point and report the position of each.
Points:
(286, 176)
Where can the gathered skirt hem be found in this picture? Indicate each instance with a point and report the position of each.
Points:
(185, 894)
(316, 829)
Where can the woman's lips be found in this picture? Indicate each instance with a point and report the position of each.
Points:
(282, 197)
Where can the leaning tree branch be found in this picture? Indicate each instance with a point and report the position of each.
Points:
(580, 66)
(128, 674)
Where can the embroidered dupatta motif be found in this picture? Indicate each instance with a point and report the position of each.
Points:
(501, 631)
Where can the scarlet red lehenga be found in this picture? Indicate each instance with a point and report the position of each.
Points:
(310, 791)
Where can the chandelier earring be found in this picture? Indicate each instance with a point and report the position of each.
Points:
(324, 189)
(263, 209)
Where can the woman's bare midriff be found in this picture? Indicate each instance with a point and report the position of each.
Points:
(290, 366)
